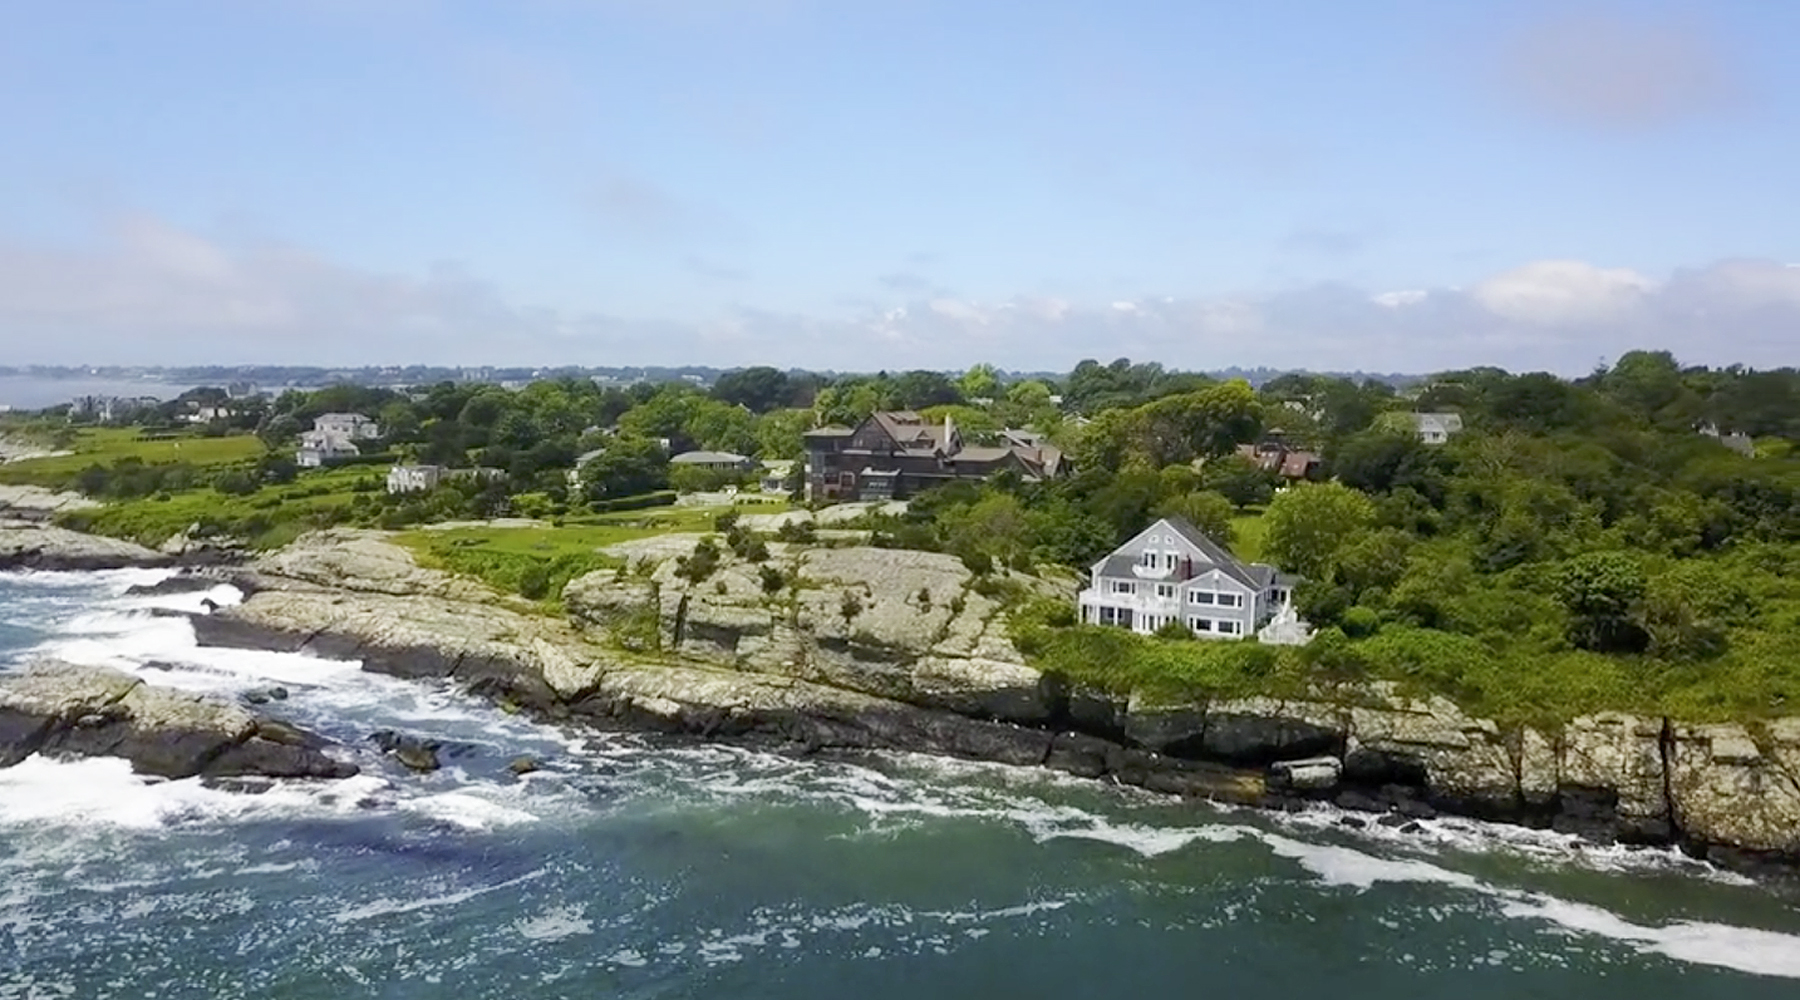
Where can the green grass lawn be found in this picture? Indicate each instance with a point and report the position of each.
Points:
(106, 445)
(576, 535)
(537, 561)
(270, 517)
(1251, 530)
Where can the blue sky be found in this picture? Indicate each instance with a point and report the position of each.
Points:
(1387, 184)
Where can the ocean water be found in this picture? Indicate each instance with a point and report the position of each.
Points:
(24, 392)
(631, 867)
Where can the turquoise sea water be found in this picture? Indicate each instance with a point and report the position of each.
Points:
(634, 868)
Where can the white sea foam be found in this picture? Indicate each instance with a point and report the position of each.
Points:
(387, 907)
(556, 924)
(1745, 949)
(466, 810)
(103, 792)
(109, 581)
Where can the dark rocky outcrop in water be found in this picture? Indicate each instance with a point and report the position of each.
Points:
(60, 709)
(798, 672)
(47, 548)
(181, 583)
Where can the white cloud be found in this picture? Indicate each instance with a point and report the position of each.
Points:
(1562, 291)
(1396, 300)
(152, 292)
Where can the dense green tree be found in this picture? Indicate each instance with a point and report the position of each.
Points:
(1208, 511)
(1239, 479)
(979, 382)
(1601, 591)
(759, 389)
(781, 434)
(629, 466)
(1309, 522)
(916, 390)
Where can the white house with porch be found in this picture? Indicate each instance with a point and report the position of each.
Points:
(1172, 572)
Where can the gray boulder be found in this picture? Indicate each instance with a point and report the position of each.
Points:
(50, 548)
(60, 709)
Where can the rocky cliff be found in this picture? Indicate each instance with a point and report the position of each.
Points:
(863, 648)
(60, 709)
(36, 546)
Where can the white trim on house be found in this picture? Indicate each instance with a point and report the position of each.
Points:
(1170, 572)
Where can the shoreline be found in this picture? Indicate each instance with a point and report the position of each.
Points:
(1616, 779)
(1589, 814)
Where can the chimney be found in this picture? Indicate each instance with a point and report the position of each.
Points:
(949, 435)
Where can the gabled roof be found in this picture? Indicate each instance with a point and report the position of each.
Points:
(708, 458)
(913, 432)
(981, 453)
(1448, 423)
(1214, 552)
(1298, 464)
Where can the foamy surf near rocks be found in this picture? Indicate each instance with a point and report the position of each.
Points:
(62, 709)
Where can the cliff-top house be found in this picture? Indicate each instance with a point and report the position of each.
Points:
(1172, 572)
(895, 454)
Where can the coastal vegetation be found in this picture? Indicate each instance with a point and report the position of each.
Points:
(537, 560)
(1626, 540)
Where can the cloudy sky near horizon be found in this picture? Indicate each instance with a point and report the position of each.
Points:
(1392, 185)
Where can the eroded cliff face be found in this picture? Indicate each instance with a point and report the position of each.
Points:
(866, 648)
(902, 625)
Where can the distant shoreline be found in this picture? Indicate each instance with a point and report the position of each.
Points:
(33, 392)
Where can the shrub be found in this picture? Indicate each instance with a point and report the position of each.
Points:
(534, 581)
(701, 563)
(642, 501)
(978, 563)
(1174, 630)
(1361, 622)
(796, 531)
(772, 579)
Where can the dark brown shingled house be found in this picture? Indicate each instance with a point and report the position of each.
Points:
(895, 454)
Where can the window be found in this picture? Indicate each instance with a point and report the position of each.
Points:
(1147, 558)
(1169, 560)
(1165, 590)
(1200, 596)
(1109, 616)
(1231, 600)
(1124, 587)
(1230, 628)
(1200, 624)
